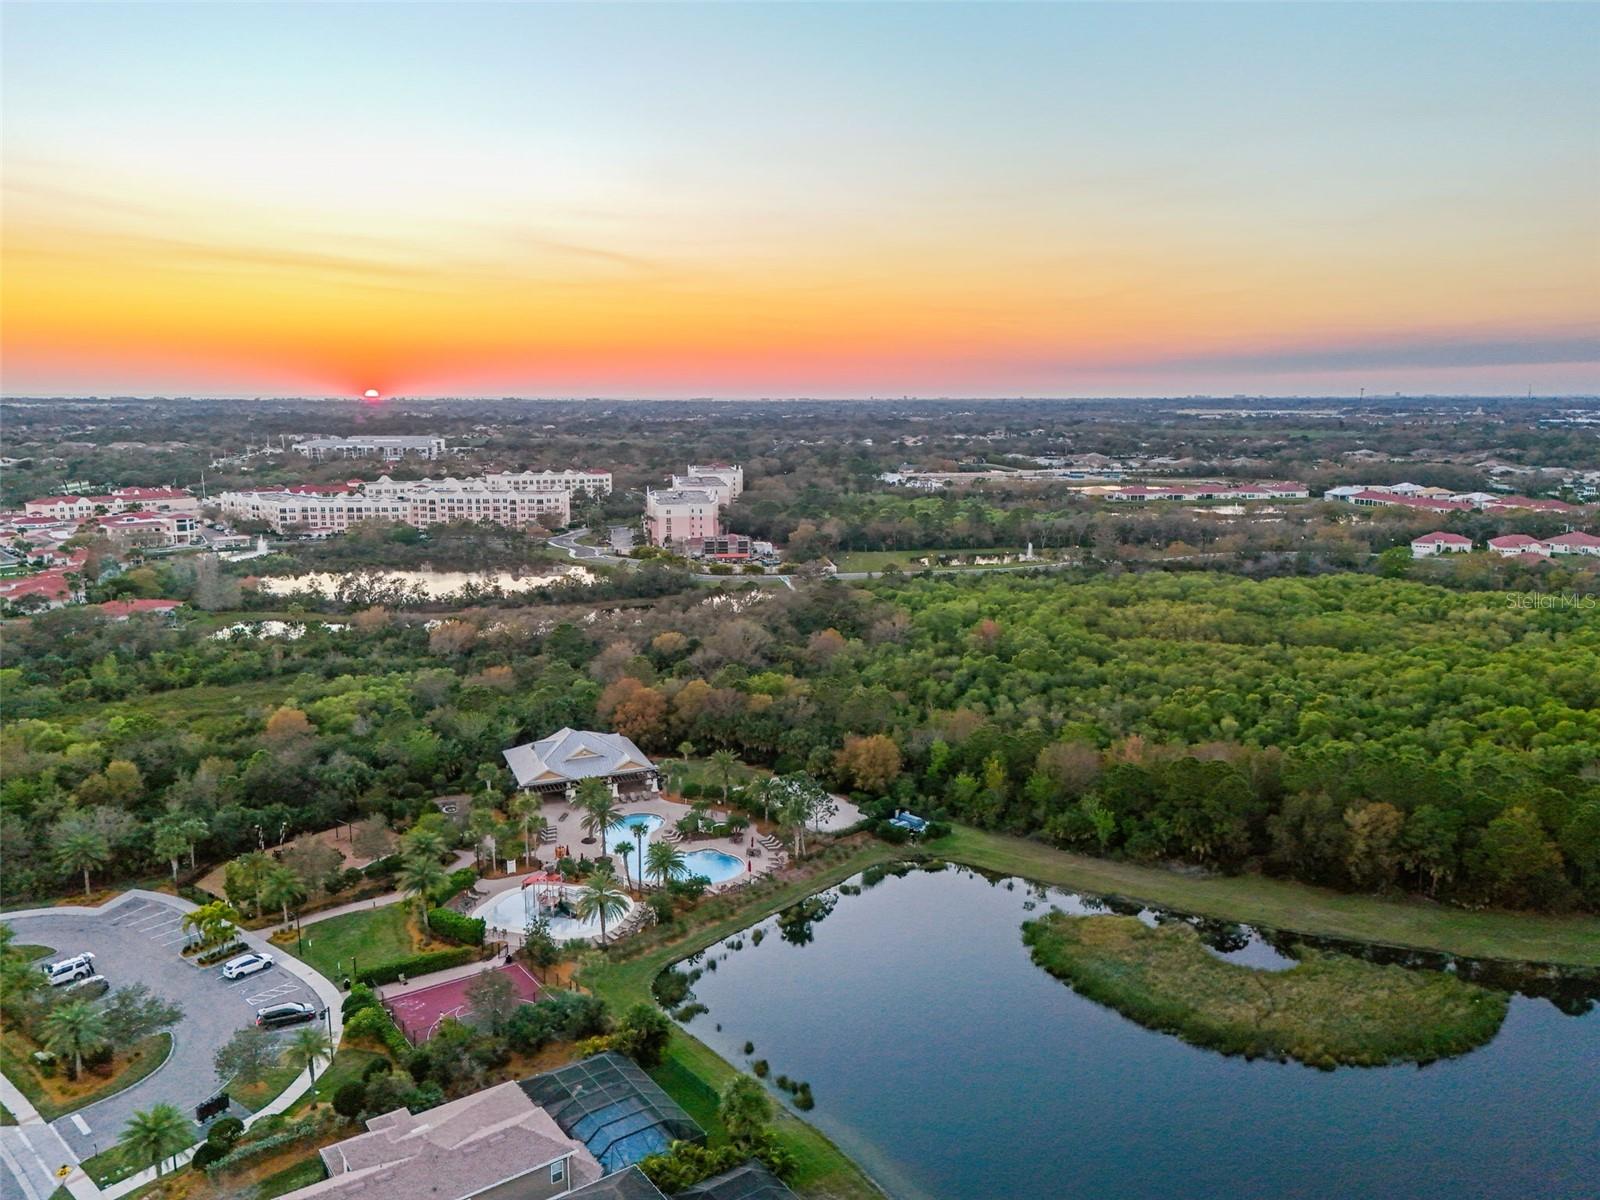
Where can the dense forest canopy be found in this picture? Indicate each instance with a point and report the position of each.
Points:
(1351, 730)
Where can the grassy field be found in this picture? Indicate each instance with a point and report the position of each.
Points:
(1327, 1011)
(54, 1095)
(366, 939)
(1295, 907)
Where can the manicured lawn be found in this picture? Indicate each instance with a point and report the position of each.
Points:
(116, 1164)
(359, 939)
(1296, 907)
(54, 1096)
(29, 953)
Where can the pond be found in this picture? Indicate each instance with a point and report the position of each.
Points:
(949, 1066)
(418, 584)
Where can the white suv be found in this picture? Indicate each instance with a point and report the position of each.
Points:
(79, 966)
(245, 964)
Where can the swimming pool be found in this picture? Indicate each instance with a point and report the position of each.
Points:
(715, 865)
(624, 830)
(513, 911)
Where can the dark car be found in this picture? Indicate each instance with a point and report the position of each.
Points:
(280, 1015)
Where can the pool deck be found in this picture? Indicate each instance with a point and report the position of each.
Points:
(566, 818)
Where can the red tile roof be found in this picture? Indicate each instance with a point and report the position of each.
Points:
(1454, 539)
(128, 608)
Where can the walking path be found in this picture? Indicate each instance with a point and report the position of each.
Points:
(463, 858)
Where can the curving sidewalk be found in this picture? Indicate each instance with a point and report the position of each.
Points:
(35, 1130)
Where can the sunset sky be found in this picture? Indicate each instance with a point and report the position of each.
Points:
(787, 200)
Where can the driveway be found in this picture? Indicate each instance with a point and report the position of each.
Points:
(137, 940)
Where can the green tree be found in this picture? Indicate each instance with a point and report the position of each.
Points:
(75, 1029)
(745, 1109)
(420, 877)
(81, 847)
(602, 898)
(212, 922)
(134, 1012)
(309, 1043)
(1373, 854)
(624, 851)
(664, 862)
(491, 999)
(1516, 862)
(643, 1033)
(723, 765)
(247, 1056)
(157, 1134)
(527, 810)
(598, 806)
(168, 841)
(281, 887)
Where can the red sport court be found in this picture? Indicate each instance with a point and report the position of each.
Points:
(418, 1013)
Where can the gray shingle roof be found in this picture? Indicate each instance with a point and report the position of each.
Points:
(572, 754)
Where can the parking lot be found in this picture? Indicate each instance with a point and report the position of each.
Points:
(138, 941)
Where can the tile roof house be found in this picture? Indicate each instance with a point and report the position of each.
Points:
(1439, 543)
(1574, 543)
(121, 610)
(496, 1144)
(558, 762)
(1517, 543)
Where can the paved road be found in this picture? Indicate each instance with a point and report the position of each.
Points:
(138, 942)
(569, 542)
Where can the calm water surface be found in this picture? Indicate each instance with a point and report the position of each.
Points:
(951, 1067)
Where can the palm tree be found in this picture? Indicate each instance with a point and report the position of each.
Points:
(425, 843)
(722, 765)
(602, 898)
(82, 848)
(252, 869)
(193, 829)
(638, 841)
(480, 828)
(623, 849)
(156, 1135)
(212, 921)
(420, 877)
(599, 807)
(168, 842)
(527, 809)
(685, 749)
(309, 1044)
(281, 887)
(664, 863)
(77, 1029)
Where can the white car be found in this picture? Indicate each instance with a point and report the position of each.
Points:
(245, 964)
(79, 966)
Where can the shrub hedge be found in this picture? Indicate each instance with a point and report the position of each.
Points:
(419, 964)
(454, 927)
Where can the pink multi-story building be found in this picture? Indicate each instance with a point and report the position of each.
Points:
(675, 517)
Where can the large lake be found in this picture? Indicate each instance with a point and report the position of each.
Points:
(950, 1066)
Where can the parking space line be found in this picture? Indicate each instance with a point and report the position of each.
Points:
(162, 919)
(181, 937)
